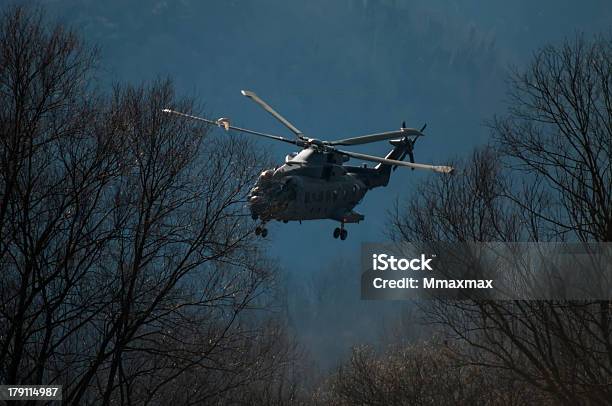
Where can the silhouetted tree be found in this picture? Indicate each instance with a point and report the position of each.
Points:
(129, 274)
(548, 177)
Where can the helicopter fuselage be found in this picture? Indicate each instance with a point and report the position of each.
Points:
(300, 197)
(312, 186)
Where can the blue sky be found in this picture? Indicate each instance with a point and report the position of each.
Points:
(336, 69)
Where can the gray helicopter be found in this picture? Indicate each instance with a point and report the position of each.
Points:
(314, 183)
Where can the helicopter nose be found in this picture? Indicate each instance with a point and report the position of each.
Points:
(267, 174)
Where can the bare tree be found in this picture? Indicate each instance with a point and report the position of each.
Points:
(424, 373)
(50, 162)
(556, 140)
(558, 134)
(130, 274)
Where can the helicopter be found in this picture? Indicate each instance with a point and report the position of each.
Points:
(314, 183)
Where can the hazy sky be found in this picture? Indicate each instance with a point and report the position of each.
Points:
(336, 69)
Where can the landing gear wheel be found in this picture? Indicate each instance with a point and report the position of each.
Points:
(258, 230)
(343, 234)
(337, 232)
(264, 232)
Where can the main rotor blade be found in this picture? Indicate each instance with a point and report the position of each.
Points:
(365, 139)
(435, 168)
(274, 113)
(231, 127)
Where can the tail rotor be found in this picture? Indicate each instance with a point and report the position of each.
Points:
(409, 145)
